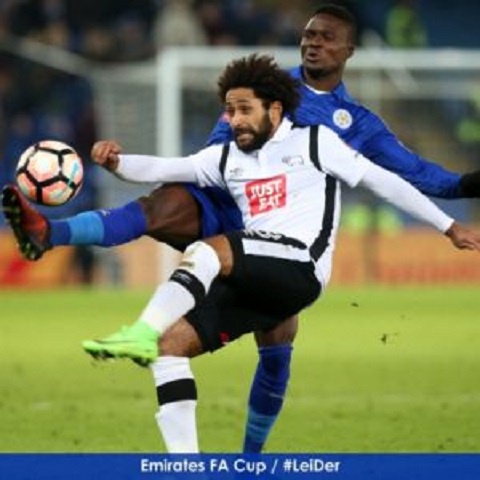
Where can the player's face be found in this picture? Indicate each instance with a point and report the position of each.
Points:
(252, 124)
(326, 45)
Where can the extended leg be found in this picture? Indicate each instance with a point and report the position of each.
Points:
(169, 214)
(172, 215)
(269, 383)
(187, 287)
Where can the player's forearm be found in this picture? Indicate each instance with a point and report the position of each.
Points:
(430, 178)
(150, 169)
(400, 193)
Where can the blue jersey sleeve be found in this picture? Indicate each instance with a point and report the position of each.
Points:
(366, 132)
(384, 148)
(221, 132)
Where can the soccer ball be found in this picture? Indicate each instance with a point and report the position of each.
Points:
(49, 173)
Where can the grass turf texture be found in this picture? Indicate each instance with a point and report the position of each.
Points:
(375, 370)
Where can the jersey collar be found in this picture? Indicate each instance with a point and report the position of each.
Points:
(282, 131)
(340, 91)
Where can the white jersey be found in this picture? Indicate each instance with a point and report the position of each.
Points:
(289, 186)
(279, 189)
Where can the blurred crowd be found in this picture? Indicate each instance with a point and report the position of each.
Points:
(132, 29)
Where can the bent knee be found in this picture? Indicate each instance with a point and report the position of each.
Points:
(180, 340)
(283, 334)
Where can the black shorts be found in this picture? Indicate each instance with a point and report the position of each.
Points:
(273, 278)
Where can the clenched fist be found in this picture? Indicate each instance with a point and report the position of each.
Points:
(105, 153)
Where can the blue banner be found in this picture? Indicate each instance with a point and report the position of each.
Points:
(242, 467)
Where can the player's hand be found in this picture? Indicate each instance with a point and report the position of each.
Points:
(105, 153)
(463, 238)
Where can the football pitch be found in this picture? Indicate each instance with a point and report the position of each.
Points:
(374, 370)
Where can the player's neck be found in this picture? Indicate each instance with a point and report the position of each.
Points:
(324, 84)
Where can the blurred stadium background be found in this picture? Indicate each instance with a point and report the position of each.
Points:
(144, 72)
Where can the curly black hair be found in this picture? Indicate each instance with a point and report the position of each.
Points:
(262, 74)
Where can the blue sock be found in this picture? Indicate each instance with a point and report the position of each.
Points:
(105, 228)
(266, 395)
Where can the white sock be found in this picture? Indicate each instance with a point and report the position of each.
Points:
(172, 300)
(169, 303)
(176, 419)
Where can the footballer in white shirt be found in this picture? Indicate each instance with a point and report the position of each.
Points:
(286, 182)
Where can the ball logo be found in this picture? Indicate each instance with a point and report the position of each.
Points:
(266, 194)
(342, 118)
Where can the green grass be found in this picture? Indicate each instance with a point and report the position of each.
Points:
(375, 370)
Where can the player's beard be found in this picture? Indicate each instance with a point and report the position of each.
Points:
(259, 137)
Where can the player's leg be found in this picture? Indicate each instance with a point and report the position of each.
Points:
(186, 288)
(172, 215)
(219, 320)
(281, 285)
(169, 214)
(269, 383)
(176, 388)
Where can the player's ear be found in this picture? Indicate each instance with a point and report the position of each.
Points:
(276, 111)
(351, 49)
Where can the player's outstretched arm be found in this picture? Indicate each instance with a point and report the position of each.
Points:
(398, 192)
(355, 169)
(147, 168)
(385, 149)
(462, 237)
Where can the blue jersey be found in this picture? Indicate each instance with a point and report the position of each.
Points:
(364, 131)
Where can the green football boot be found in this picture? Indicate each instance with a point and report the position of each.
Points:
(137, 342)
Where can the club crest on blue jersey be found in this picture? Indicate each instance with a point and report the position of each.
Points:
(342, 118)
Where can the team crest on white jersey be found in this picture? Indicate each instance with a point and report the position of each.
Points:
(236, 172)
(342, 118)
(293, 160)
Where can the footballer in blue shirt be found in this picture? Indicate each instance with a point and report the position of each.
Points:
(181, 214)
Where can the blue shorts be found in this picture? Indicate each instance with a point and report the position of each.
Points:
(220, 213)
